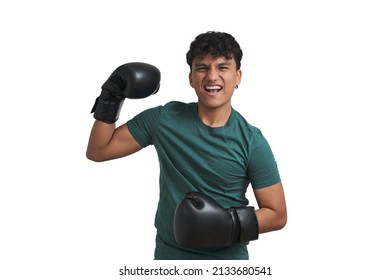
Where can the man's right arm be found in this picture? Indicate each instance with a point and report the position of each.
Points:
(107, 142)
(132, 80)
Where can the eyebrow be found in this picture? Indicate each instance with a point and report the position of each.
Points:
(225, 63)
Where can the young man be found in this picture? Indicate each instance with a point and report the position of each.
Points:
(208, 153)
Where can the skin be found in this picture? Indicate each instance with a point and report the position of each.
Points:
(214, 81)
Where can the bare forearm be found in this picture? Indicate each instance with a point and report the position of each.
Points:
(270, 220)
(272, 211)
(99, 139)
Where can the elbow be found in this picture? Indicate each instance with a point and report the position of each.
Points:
(93, 156)
(281, 222)
(271, 221)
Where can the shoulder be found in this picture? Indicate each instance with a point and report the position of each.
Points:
(177, 110)
(177, 106)
(246, 127)
(171, 107)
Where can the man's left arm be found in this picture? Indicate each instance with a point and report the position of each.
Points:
(272, 211)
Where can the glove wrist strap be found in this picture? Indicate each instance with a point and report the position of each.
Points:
(248, 223)
(107, 109)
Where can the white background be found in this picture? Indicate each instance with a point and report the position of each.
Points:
(315, 81)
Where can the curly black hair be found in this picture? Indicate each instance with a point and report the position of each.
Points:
(218, 44)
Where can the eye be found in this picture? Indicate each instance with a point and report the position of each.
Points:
(223, 67)
(201, 69)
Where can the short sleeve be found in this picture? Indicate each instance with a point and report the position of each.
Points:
(262, 169)
(142, 126)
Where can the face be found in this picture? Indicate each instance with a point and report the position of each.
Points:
(214, 81)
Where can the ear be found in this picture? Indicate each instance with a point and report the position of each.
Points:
(190, 79)
(239, 75)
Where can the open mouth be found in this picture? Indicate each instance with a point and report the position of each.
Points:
(212, 90)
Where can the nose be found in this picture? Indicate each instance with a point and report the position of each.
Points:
(212, 74)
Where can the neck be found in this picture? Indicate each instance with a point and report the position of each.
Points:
(215, 117)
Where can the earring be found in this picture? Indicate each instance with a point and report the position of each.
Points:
(236, 87)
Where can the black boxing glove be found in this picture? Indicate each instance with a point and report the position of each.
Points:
(133, 80)
(200, 222)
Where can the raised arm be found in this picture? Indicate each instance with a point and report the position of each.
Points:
(132, 80)
(107, 142)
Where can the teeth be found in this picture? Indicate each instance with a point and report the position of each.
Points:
(213, 88)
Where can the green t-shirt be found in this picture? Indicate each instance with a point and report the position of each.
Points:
(220, 162)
